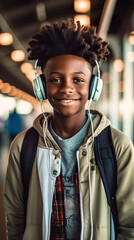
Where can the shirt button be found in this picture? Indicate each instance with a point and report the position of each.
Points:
(93, 161)
(84, 152)
(93, 168)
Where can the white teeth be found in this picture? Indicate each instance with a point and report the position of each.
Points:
(67, 100)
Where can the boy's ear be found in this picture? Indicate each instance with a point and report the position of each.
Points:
(39, 87)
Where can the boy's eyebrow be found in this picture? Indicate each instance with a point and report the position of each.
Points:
(60, 73)
(53, 73)
(80, 73)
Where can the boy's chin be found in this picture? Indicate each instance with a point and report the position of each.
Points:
(68, 114)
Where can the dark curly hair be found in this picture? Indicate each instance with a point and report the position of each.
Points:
(67, 38)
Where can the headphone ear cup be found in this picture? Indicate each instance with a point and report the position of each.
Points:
(95, 88)
(39, 88)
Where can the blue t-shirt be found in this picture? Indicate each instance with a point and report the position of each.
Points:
(68, 166)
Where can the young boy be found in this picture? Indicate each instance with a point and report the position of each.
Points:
(67, 199)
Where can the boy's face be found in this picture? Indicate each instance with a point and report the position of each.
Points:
(67, 83)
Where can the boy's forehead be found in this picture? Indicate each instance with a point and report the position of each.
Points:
(71, 61)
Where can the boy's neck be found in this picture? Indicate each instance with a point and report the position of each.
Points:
(66, 127)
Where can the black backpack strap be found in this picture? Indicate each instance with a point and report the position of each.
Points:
(27, 156)
(107, 164)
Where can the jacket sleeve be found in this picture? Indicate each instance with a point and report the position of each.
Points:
(13, 195)
(125, 185)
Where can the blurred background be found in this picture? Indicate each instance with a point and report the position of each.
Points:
(19, 20)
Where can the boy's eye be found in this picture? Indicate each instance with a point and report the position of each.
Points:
(78, 80)
(55, 80)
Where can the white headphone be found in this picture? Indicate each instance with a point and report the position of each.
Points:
(39, 85)
(95, 88)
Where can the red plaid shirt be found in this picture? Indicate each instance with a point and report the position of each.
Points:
(58, 214)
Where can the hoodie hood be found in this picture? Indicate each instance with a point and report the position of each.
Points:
(100, 121)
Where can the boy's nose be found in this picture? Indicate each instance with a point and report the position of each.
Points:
(67, 88)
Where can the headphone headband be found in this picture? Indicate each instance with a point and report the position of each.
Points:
(98, 69)
(35, 68)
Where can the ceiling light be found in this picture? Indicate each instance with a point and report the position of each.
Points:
(41, 11)
(6, 39)
(131, 38)
(6, 88)
(118, 65)
(20, 94)
(84, 19)
(82, 6)
(13, 91)
(31, 75)
(1, 84)
(18, 55)
(26, 67)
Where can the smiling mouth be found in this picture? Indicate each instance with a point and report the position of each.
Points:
(67, 100)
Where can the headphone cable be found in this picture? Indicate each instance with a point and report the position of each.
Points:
(45, 125)
(90, 189)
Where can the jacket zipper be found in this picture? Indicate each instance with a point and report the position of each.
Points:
(50, 206)
(81, 202)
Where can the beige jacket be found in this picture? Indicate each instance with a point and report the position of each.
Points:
(39, 204)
